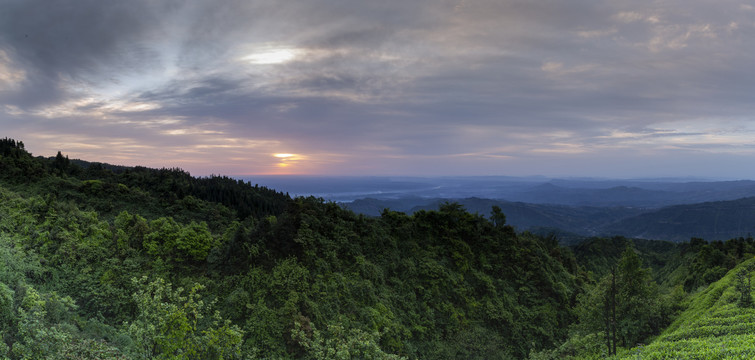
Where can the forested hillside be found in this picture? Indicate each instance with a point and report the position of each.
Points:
(584, 221)
(100, 261)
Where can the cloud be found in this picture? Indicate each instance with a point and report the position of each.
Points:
(376, 86)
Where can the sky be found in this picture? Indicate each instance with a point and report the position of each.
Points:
(392, 87)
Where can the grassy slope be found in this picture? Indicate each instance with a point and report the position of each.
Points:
(713, 327)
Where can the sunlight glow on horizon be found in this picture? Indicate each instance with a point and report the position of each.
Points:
(286, 160)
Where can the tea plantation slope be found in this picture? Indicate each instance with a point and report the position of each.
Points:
(713, 327)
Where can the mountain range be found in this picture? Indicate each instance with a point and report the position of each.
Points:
(675, 211)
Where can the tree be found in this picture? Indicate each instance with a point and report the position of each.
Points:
(610, 314)
(339, 343)
(637, 296)
(61, 163)
(174, 242)
(597, 310)
(498, 217)
(623, 305)
(744, 289)
(37, 337)
(6, 307)
(171, 325)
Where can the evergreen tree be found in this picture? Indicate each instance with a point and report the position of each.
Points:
(637, 295)
(497, 217)
(744, 288)
(623, 305)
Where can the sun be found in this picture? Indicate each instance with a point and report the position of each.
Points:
(287, 160)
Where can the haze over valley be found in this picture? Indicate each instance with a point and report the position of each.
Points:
(663, 209)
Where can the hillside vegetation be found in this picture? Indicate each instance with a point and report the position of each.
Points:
(716, 325)
(100, 261)
(144, 263)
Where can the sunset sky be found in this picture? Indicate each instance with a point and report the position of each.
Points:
(350, 87)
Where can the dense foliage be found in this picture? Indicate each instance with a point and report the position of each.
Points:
(100, 261)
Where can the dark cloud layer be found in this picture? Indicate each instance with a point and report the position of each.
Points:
(389, 87)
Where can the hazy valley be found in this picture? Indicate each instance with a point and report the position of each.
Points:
(661, 209)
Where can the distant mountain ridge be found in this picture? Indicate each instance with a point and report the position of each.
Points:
(626, 196)
(521, 215)
(649, 209)
(649, 193)
(635, 194)
(718, 220)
